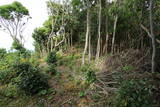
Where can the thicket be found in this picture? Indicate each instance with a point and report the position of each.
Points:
(51, 58)
(134, 93)
(30, 79)
(21, 72)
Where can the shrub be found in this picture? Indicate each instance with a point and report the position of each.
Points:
(90, 76)
(89, 72)
(134, 93)
(30, 79)
(51, 58)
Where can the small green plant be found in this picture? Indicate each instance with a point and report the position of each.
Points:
(46, 92)
(42, 92)
(90, 76)
(51, 58)
(82, 94)
(127, 68)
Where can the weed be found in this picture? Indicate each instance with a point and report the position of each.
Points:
(127, 68)
(82, 94)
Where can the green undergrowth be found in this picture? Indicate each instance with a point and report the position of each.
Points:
(61, 76)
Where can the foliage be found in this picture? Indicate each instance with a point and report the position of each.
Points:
(6, 76)
(7, 10)
(34, 59)
(45, 92)
(127, 68)
(134, 93)
(20, 49)
(3, 52)
(13, 18)
(82, 94)
(17, 46)
(10, 91)
(51, 58)
(30, 79)
(90, 75)
(8, 60)
(69, 60)
(40, 35)
(85, 68)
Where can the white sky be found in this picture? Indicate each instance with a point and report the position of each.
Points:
(38, 12)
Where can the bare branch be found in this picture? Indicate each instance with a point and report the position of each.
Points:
(147, 31)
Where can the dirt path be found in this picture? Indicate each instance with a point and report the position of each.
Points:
(66, 90)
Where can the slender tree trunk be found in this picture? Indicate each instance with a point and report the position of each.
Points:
(89, 48)
(71, 37)
(69, 41)
(51, 45)
(99, 31)
(87, 36)
(105, 49)
(114, 34)
(153, 38)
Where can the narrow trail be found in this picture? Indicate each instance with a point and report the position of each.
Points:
(66, 90)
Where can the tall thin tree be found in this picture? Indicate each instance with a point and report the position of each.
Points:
(152, 37)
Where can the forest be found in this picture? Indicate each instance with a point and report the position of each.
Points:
(88, 53)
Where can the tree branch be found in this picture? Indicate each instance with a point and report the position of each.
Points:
(147, 31)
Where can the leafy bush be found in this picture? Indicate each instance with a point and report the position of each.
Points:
(30, 79)
(51, 58)
(89, 72)
(134, 93)
(90, 76)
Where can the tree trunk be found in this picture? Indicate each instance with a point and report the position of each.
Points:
(105, 49)
(89, 48)
(87, 36)
(99, 31)
(114, 34)
(153, 38)
(71, 38)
